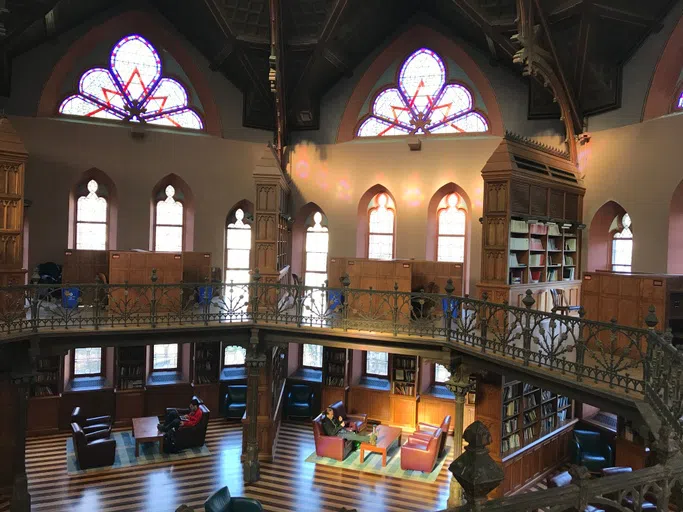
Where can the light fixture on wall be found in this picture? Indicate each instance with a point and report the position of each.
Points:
(414, 143)
(137, 131)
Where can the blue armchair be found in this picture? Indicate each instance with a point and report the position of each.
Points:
(236, 402)
(220, 501)
(590, 450)
(300, 401)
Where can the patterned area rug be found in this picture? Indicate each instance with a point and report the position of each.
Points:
(373, 464)
(125, 454)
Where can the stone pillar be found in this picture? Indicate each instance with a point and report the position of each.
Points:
(270, 221)
(459, 384)
(21, 499)
(255, 361)
(476, 472)
(13, 157)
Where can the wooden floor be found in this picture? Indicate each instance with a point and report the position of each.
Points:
(287, 484)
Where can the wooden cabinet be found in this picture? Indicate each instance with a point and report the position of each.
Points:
(43, 415)
(375, 403)
(159, 398)
(331, 395)
(129, 404)
(209, 394)
(99, 402)
(403, 411)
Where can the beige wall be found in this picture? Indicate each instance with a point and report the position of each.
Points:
(336, 176)
(218, 171)
(639, 167)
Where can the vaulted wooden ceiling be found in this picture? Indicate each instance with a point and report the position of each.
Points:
(319, 42)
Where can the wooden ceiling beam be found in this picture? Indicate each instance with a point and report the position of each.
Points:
(278, 65)
(624, 16)
(585, 33)
(480, 20)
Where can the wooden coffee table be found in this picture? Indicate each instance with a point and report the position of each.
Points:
(145, 431)
(385, 438)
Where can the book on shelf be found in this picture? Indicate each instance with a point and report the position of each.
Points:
(403, 389)
(508, 393)
(511, 443)
(519, 244)
(405, 363)
(568, 274)
(536, 245)
(530, 401)
(553, 229)
(562, 416)
(530, 417)
(528, 434)
(568, 260)
(562, 401)
(528, 388)
(570, 244)
(334, 381)
(552, 246)
(538, 229)
(547, 409)
(536, 260)
(552, 275)
(511, 408)
(548, 425)
(546, 395)
(518, 226)
(510, 426)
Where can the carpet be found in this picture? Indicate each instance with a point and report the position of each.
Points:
(125, 454)
(373, 464)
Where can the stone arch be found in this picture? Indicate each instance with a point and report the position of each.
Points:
(187, 199)
(363, 228)
(600, 237)
(102, 178)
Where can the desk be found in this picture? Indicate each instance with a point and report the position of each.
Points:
(145, 430)
(385, 438)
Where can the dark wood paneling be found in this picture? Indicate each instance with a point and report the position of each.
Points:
(556, 205)
(210, 395)
(43, 415)
(129, 405)
(538, 200)
(519, 197)
(374, 403)
(99, 402)
(159, 398)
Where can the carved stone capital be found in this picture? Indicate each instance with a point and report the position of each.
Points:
(459, 383)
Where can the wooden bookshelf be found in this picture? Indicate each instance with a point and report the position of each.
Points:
(130, 368)
(207, 362)
(335, 375)
(48, 375)
(404, 373)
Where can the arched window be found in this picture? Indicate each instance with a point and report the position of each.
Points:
(452, 220)
(237, 251)
(441, 374)
(91, 219)
(422, 101)
(622, 245)
(317, 241)
(382, 222)
(132, 89)
(168, 222)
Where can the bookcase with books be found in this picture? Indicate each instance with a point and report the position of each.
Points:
(523, 419)
(48, 373)
(45, 396)
(533, 202)
(207, 368)
(335, 374)
(130, 383)
(404, 375)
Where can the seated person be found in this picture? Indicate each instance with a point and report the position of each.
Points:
(174, 421)
(335, 427)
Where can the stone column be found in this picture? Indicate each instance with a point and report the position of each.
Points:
(255, 362)
(459, 384)
(21, 499)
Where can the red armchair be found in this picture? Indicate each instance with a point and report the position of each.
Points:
(420, 454)
(355, 422)
(426, 431)
(329, 446)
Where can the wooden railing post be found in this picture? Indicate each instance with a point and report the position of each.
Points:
(254, 361)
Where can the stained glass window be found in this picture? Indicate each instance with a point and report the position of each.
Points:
(234, 356)
(87, 361)
(622, 246)
(317, 238)
(377, 363)
(451, 229)
(168, 229)
(237, 249)
(441, 374)
(312, 356)
(422, 102)
(91, 220)
(132, 89)
(381, 218)
(165, 357)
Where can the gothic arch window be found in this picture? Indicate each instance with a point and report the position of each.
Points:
(91, 219)
(133, 89)
(451, 227)
(168, 222)
(237, 258)
(382, 225)
(422, 101)
(317, 242)
(622, 245)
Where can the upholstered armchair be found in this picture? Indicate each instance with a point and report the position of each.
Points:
(329, 446)
(355, 422)
(563, 480)
(93, 450)
(221, 501)
(191, 437)
(590, 450)
(236, 402)
(420, 454)
(300, 401)
(427, 431)
(90, 425)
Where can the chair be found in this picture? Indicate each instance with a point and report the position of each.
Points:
(90, 425)
(236, 402)
(191, 437)
(300, 401)
(221, 501)
(419, 454)
(563, 480)
(355, 422)
(589, 450)
(329, 446)
(628, 501)
(560, 303)
(426, 431)
(93, 450)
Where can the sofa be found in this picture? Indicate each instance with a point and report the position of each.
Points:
(563, 480)
(300, 401)
(191, 437)
(221, 501)
(588, 449)
(420, 454)
(427, 431)
(90, 425)
(236, 402)
(329, 446)
(93, 450)
(355, 422)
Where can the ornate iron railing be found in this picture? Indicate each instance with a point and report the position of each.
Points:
(576, 348)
